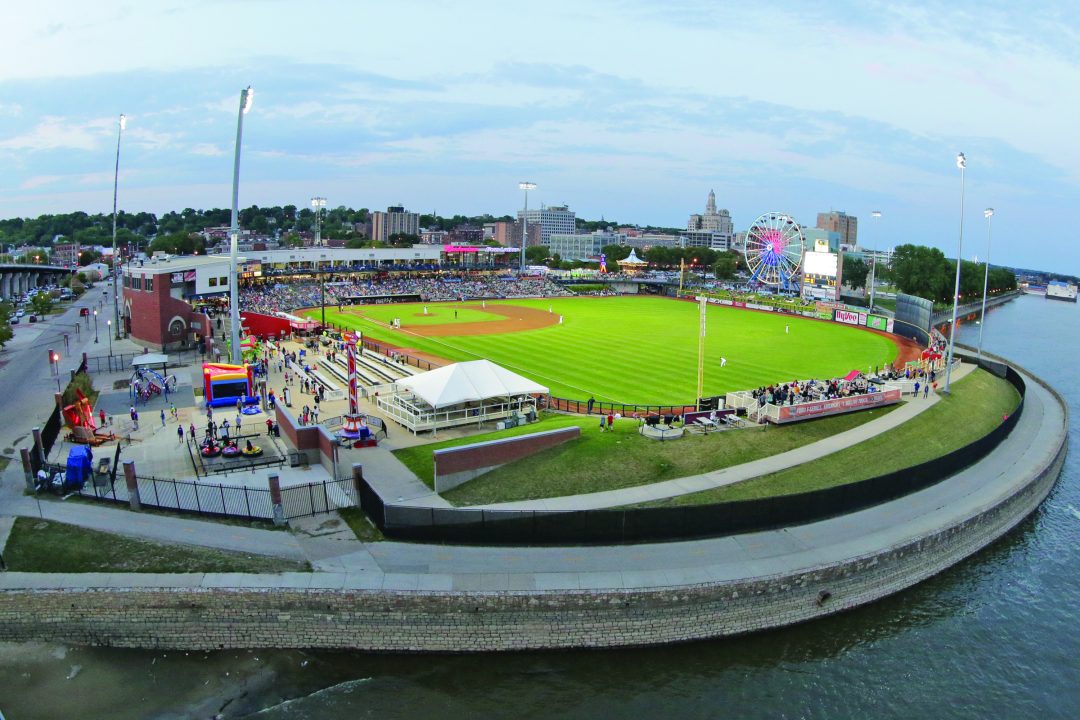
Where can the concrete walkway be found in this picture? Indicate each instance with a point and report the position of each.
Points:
(1030, 448)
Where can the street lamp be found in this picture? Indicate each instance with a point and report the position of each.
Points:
(54, 358)
(526, 186)
(961, 163)
(987, 213)
(246, 97)
(109, 323)
(873, 262)
(95, 325)
(116, 265)
(318, 203)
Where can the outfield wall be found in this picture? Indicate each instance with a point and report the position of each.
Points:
(639, 524)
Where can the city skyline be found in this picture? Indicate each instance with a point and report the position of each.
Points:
(620, 110)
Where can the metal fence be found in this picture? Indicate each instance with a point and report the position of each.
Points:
(621, 409)
(226, 500)
(378, 347)
(122, 361)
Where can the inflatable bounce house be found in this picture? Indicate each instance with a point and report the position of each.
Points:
(225, 384)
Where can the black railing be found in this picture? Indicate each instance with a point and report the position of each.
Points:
(620, 409)
(645, 524)
(226, 500)
(120, 362)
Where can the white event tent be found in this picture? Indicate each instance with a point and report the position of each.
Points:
(459, 394)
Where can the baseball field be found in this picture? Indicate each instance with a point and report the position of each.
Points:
(641, 350)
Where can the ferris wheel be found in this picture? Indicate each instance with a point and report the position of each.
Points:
(774, 250)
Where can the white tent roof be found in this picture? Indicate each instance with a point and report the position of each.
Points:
(468, 382)
(150, 360)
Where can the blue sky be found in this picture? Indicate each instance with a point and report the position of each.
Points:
(623, 109)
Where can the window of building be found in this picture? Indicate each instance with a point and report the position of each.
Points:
(213, 282)
(136, 283)
(223, 281)
(149, 283)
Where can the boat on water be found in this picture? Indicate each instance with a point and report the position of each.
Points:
(1058, 290)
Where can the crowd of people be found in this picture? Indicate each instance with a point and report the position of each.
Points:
(286, 296)
(810, 391)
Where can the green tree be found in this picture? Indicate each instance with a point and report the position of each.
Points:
(42, 303)
(6, 333)
(536, 253)
(855, 271)
(38, 256)
(403, 240)
(615, 253)
(725, 266)
(89, 256)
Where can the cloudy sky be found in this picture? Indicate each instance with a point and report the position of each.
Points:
(631, 110)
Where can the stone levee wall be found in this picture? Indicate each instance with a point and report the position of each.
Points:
(442, 621)
(414, 610)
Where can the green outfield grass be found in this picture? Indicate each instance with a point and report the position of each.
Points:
(643, 350)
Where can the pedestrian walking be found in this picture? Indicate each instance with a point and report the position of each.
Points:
(610, 421)
(315, 415)
(926, 390)
(172, 410)
(162, 417)
(179, 434)
(603, 422)
(787, 329)
(135, 417)
(589, 405)
(238, 417)
(225, 428)
(101, 414)
(191, 431)
(916, 388)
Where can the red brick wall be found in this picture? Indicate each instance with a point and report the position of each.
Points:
(499, 452)
(152, 310)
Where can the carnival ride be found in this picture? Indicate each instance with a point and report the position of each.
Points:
(353, 428)
(146, 383)
(79, 417)
(774, 251)
(224, 384)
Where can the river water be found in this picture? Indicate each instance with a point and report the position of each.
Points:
(995, 636)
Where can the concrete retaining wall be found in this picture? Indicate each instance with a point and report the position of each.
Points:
(457, 465)
(383, 620)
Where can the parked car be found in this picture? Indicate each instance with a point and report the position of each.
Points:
(14, 320)
(33, 318)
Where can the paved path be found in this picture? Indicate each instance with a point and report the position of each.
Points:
(714, 479)
(404, 566)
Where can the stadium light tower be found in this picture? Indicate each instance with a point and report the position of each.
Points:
(115, 256)
(873, 261)
(987, 213)
(526, 186)
(246, 96)
(961, 163)
(318, 203)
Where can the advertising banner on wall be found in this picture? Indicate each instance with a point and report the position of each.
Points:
(847, 317)
(879, 322)
(823, 408)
